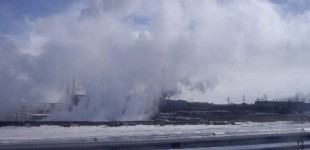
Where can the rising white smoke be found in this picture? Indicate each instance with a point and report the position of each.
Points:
(124, 54)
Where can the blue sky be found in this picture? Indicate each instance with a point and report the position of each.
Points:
(13, 12)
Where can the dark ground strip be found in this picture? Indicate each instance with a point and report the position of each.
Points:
(179, 118)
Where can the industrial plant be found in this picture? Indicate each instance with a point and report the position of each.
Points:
(171, 110)
(36, 111)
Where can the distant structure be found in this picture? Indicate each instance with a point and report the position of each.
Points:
(243, 99)
(283, 107)
(36, 111)
(30, 111)
(260, 106)
(127, 100)
(74, 94)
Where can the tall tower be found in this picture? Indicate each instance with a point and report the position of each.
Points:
(162, 86)
(127, 100)
(73, 87)
(243, 99)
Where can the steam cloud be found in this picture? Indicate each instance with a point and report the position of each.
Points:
(123, 54)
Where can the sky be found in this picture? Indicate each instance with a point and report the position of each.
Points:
(125, 54)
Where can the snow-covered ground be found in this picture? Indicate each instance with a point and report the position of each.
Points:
(18, 135)
(58, 137)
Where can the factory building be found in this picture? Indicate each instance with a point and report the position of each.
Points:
(281, 107)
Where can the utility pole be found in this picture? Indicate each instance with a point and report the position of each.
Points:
(228, 100)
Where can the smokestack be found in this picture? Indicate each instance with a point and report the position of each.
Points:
(243, 99)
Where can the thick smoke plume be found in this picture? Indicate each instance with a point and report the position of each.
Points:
(125, 54)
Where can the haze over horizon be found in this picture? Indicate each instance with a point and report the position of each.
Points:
(123, 54)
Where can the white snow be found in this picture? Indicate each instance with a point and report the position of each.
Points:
(144, 132)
